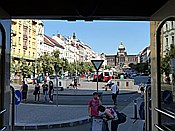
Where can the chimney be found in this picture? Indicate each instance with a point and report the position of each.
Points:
(58, 35)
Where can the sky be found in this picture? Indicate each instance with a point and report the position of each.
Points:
(104, 36)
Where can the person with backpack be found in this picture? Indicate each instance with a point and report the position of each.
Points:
(111, 114)
(45, 89)
(115, 92)
(51, 90)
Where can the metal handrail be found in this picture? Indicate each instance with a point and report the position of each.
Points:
(165, 113)
(158, 127)
(3, 111)
(147, 109)
(3, 128)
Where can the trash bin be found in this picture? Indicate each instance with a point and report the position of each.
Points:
(100, 94)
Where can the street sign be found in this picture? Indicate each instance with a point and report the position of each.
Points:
(18, 97)
(167, 97)
(97, 63)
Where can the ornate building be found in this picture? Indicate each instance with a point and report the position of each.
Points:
(121, 59)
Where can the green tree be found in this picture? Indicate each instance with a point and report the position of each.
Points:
(165, 62)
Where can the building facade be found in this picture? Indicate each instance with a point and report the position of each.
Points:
(168, 32)
(40, 38)
(144, 55)
(23, 43)
(121, 59)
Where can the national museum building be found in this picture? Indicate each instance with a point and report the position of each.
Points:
(121, 59)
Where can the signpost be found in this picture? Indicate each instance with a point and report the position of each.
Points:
(18, 97)
(17, 100)
(97, 64)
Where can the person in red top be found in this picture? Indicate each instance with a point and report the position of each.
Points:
(93, 105)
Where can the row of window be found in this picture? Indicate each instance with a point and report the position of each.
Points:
(24, 52)
(122, 59)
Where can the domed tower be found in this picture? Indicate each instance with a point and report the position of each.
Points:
(121, 54)
(121, 50)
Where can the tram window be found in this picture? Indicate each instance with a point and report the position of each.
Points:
(167, 70)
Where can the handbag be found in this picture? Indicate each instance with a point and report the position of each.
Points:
(34, 92)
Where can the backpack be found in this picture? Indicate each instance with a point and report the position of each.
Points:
(121, 117)
(142, 111)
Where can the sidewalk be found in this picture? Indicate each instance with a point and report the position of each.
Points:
(46, 116)
(131, 123)
(67, 116)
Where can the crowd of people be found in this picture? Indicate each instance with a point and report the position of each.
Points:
(48, 90)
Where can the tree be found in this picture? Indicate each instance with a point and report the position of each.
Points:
(165, 62)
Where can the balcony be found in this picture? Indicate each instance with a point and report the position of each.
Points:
(25, 37)
(25, 47)
(25, 25)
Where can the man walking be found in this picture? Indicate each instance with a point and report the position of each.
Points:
(24, 90)
(115, 91)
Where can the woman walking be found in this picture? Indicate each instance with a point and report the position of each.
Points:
(51, 90)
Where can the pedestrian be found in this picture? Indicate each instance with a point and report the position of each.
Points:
(111, 114)
(115, 92)
(45, 89)
(37, 91)
(51, 91)
(75, 83)
(109, 83)
(89, 78)
(93, 107)
(24, 90)
(142, 88)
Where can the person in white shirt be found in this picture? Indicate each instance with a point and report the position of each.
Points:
(109, 83)
(115, 91)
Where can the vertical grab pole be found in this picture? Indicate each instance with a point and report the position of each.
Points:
(13, 109)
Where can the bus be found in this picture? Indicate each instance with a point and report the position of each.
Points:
(107, 75)
(104, 75)
(100, 76)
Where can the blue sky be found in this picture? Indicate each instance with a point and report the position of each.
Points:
(104, 36)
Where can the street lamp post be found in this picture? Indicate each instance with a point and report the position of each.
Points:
(56, 71)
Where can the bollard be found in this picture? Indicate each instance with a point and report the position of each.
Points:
(135, 109)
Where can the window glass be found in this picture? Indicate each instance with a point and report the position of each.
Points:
(167, 70)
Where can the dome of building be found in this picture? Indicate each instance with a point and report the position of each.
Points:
(121, 46)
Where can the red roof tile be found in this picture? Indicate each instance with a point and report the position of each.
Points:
(54, 41)
(46, 41)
